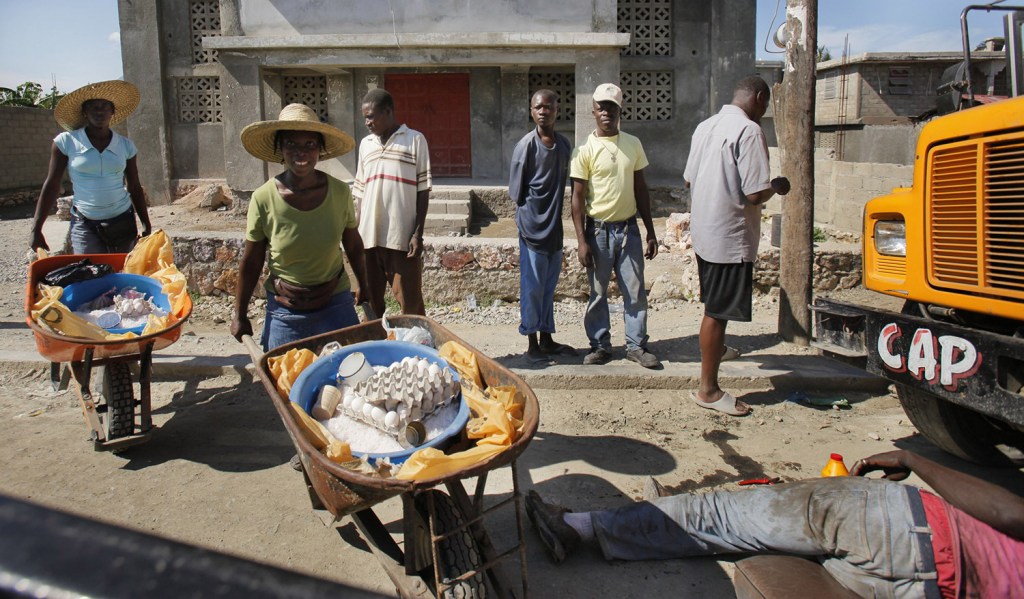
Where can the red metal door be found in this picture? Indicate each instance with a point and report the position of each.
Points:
(437, 105)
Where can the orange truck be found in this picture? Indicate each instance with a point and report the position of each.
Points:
(952, 246)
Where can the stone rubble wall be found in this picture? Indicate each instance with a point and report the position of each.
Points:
(489, 269)
(492, 203)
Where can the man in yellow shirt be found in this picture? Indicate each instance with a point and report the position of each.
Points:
(608, 192)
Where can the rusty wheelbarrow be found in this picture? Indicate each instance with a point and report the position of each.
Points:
(447, 551)
(115, 417)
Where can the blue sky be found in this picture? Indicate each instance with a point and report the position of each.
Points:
(77, 42)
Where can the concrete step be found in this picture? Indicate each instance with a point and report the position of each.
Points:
(439, 225)
(450, 211)
(453, 207)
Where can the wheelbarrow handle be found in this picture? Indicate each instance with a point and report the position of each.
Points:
(253, 348)
(368, 311)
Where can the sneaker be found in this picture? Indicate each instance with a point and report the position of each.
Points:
(597, 356)
(558, 537)
(643, 357)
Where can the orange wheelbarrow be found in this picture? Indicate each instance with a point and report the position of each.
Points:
(447, 550)
(116, 418)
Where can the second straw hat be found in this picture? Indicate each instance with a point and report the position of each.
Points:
(258, 138)
(124, 96)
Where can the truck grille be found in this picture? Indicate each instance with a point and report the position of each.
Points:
(976, 217)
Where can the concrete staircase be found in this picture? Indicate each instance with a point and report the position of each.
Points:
(450, 210)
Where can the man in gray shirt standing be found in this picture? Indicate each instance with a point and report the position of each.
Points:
(727, 172)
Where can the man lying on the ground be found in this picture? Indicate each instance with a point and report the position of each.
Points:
(876, 537)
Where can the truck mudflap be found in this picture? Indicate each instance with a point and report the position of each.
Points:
(979, 370)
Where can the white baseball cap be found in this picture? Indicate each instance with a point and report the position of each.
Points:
(608, 92)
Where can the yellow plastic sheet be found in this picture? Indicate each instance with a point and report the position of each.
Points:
(286, 368)
(496, 424)
(51, 314)
(153, 256)
(320, 437)
(463, 361)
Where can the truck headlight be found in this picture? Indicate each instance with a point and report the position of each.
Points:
(891, 238)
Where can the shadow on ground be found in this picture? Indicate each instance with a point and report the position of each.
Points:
(231, 429)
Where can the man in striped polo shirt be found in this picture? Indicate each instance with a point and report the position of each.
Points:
(392, 188)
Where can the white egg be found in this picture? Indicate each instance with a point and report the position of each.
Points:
(391, 419)
(368, 410)
(357, 404)
(378, 413)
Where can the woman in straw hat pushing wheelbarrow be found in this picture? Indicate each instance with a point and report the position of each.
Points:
(296, 221)
(108, 194)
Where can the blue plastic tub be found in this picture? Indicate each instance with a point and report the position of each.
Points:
(84, 292)
(324, 371)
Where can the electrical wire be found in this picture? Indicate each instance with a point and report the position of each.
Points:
(771, 31)
(394, 25)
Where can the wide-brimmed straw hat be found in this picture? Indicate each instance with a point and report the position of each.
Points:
(124, 95)
(258, 138)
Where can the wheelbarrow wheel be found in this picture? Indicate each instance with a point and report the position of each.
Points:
(457, 553)
(119, 396)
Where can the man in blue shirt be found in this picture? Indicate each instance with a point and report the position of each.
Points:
(540, 164)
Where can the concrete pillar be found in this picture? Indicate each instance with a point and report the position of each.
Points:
(733, 29)
(593, 68)
(230, 18)
(515, 111)
(141, 55)
(240, 94)
(341, 113)
(484, 122)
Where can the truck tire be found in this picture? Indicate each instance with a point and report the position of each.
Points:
(119, 395)
(458, 553)
(952, 428)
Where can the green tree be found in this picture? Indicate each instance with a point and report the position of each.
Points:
(823, 54)
(30, 94)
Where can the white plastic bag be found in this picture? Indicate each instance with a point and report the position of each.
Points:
(412, 335)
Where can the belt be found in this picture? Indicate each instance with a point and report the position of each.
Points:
(605, 224)
(924, 544)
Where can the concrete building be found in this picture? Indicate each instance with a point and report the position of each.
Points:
(462, 72)
(868, 105)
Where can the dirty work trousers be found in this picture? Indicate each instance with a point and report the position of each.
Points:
(871, 535)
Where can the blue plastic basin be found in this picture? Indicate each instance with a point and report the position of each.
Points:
(84, 292)
(324, 371)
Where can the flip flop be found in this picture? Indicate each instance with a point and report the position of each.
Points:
(544, 359)
(730, 353)
(725, 404)
(559, 349)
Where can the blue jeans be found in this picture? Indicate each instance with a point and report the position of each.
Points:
(538, 276)
(616, 246)
(284, 326)
(85, 240)
(871, 535)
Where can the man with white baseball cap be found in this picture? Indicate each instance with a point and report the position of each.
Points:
(608, 192)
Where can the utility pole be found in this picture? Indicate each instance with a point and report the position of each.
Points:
(796, 145)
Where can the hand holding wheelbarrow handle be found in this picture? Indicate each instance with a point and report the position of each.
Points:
(252, 347)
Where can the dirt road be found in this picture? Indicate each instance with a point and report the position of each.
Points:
(216, 472)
